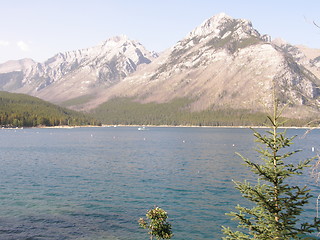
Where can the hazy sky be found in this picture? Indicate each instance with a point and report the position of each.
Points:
(39, 29)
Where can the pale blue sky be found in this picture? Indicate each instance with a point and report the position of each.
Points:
(39, 29)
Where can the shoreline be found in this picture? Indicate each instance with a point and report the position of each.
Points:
(163, 126)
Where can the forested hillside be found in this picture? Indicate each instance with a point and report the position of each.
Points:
(128, 112)
(20, 110)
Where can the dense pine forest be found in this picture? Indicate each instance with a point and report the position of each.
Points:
(20, 110)
(128, 112)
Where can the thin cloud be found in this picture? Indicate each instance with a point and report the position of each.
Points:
(4, 43)
(23, 46)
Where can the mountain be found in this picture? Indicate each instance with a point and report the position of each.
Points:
(224, 63)
(75, 73)
(11, 73)
(16, 65)
(304, 56)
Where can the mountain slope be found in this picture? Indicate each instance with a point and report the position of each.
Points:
(76, 73)
(223, 63)
(20, 110)
(16, 65)
(11, 73)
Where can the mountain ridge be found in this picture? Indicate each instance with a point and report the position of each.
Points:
(222, 63)
(104, 64)
(234, 68)
(16, 65)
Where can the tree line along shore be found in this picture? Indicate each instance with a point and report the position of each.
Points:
(20, 110)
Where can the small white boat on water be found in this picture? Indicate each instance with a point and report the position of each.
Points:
(142, 128)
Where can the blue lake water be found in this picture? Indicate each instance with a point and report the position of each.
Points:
(95, 183)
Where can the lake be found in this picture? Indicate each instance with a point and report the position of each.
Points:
(95, 183)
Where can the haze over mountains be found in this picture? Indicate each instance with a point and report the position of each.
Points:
(223, 63)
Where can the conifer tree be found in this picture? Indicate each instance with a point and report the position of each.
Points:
(277, 203)
(157, 224)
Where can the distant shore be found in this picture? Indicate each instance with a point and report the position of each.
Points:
(168, 126)
(195, 126)
(159, 126)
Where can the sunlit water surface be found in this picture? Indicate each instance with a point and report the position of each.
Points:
(94, 183)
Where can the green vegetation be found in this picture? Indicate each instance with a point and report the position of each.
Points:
(228, 42)
(243, 43)
(77, 101)
(232, 45)
(157, 224)
(277, 203)
(20, 110)
(128, 112)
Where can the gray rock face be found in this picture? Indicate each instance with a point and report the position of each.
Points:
(225, 63)
(16, 65)
(105, 64)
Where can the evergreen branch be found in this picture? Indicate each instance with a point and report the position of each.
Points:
(277, 204)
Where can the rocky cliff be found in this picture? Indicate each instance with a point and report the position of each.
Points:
(75, 73)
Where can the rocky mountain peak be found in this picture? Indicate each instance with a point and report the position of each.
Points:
(16, 65)
(219, 33)
(218, 37)
(222, 26)
(115, 41)
(118, 38)
(82, 70)
(210, 26)
(123, 46)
